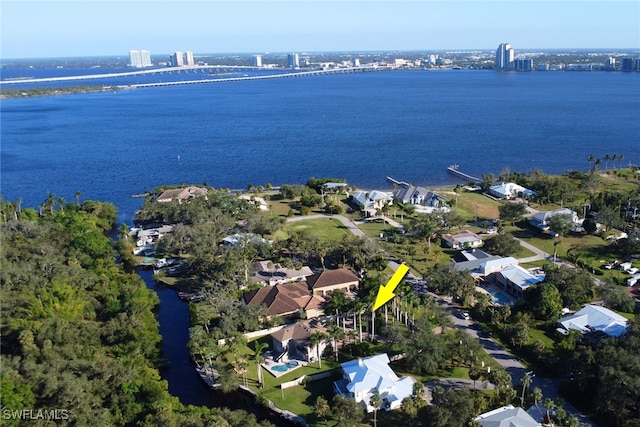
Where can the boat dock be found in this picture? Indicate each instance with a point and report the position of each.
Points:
(398, 183)
(453, 169)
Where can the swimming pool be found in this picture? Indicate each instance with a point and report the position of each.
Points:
(498, 296)
(285, 367)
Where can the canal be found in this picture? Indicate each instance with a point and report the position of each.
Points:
(184, 382)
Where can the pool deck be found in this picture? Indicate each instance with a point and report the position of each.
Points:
(492, 289)
(269, 364)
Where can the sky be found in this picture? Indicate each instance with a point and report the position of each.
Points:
(51, 28)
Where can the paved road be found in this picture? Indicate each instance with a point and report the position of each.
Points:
(515, 368)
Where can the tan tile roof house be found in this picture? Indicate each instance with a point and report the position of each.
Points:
(181, 194)
(330, 280)
(286, 299)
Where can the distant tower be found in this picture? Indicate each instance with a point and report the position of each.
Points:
(356, 62)
(504, 57)
(146, 58)
(627, 64)
(135, 60)
(189, 58)
(177, 60)
(611, 63)
(139, 58)
(257, 60)
(293, 60)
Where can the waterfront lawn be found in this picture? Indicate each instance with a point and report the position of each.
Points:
(475, 205)
(326, 229)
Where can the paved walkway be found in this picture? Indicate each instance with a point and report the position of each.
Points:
(539, 254)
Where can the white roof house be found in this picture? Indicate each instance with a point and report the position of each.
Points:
(516, 279)
(540, 219)
(462, 240)
(362, 376)
(509, 190)
(594, 318)
(372, 200)
(507, 416)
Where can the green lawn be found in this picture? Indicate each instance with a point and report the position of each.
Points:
(326, 229)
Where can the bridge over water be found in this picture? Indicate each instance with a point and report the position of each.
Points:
(195, 69)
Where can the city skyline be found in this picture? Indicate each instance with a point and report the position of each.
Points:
(99, 28)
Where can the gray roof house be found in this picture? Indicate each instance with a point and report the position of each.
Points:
(420, 197)
(594, 318)
(507, 416)
(540, 219)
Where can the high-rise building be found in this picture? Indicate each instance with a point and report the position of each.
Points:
(611, 63)
(139, 58)
(189, 58)
(293, 60)
(523, 64)
(505, 57)
(627, 64)
(176, 59)
(256, 60)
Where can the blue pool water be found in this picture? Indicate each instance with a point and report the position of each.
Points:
(498, 296)
(285, 367)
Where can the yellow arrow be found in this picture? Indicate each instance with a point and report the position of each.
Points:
(385, 293)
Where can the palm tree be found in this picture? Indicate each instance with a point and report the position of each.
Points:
(621, 157)
(590, 159)
(597, 163)
(549, 405)
(614, 158)
(606, 162)
(259, 359)
(336, 333)
(376, 402)
(77, 196)
(316, 338)
(526, 381)
(321, 408)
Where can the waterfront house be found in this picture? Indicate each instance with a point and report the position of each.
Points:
(593, 318)
(462, 240)
(287, 300)
(509, 190)
(327, 281)
(294, 341)
(507, 416)
(371, 201)
(540, 220)
(270, 273)
(259, 202)
(363, 376)
(422, 199)
(181, 194)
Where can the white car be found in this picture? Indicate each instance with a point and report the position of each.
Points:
(632, 270)
(466, 315)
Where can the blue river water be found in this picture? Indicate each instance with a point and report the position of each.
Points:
(362, 127)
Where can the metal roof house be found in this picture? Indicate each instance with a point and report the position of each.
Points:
(507, 416)
(363, 375)
(594, 318)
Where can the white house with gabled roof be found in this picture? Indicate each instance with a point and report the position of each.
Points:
(361, 377)
(372, 200)
(507, 416)
(594, 318)
(509, 190)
